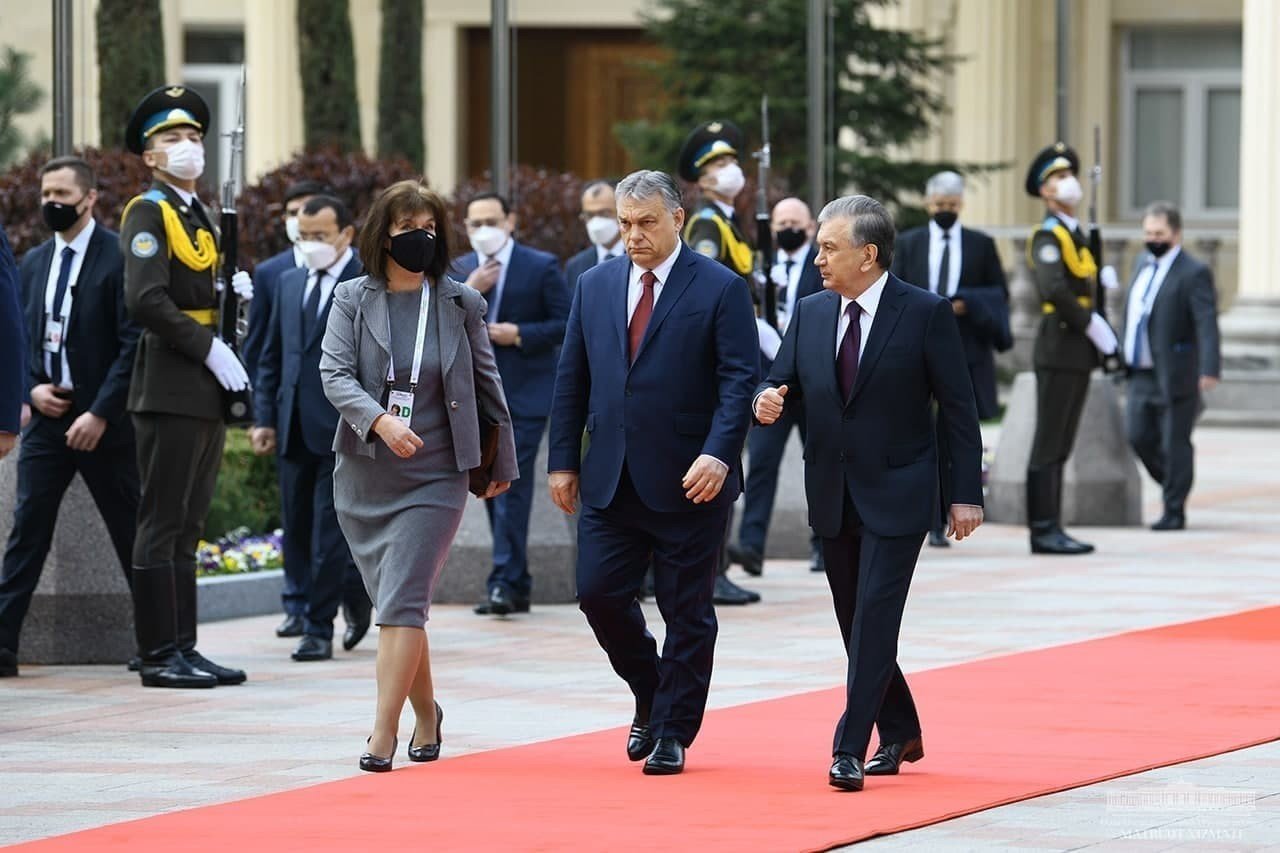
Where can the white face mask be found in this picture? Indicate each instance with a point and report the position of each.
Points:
(729, 181)
(184, 160)
(602, 230)
(1069, 191)
(317, 254)
(487, 240)
(291, 228)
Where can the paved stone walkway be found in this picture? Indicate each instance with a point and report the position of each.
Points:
(85, 746)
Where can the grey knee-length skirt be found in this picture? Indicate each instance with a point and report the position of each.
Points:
(399, 517)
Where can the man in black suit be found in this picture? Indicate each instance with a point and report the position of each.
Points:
(600, 217)
(80, 358)
(265, 276)
(796, 277)
(12, 349)
(962, 265)
(528, 309)
(294, 416)
(866, 360)
(1171, 346)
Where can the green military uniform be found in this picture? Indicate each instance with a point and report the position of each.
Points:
(170, 248)
(1066, 278)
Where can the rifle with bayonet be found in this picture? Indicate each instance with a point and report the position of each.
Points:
(1112, 362)
(233, 319)
(764, 233)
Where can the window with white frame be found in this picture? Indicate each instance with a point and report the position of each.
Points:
(1180, 120)
(212, 63)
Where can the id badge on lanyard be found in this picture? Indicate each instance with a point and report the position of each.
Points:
(400, 403)
(53, 331)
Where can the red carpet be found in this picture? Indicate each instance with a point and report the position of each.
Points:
(996, 731)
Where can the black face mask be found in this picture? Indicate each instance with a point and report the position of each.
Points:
(790, 239)
(414, 250)
(1158, 247)
(945, 219)
(59, 217)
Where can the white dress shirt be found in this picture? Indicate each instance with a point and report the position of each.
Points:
(79, 245)
(869, 302)
(494, 296)
(182, 194)
(603, 254)
(936, 245)
(1144, 291)
(635, 288)
(328, 283)
(788, 305)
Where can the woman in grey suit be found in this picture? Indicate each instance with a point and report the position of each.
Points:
(407, 360)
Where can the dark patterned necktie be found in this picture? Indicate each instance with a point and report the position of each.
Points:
(847, 358)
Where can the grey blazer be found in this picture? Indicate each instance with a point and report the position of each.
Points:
(353, 367)
(1183, 327)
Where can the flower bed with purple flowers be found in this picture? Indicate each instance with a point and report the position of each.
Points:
(239, 552)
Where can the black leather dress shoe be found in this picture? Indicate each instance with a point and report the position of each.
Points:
(134, 664)
(359, 619)
(224, 674)
(845, 773)
(1171, 521)
(176, 672)
(728, 592)
(292, 626)
(639, 741)
(428, 751)
(371, 763)
(752, 562)
(938, 539)
(1051, 539)
(667, 758)
(502, 603)
(890, 757)
(313, 648)
(8, 664)
(817, 563)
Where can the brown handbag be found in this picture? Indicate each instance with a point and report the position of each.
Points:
(481, 476)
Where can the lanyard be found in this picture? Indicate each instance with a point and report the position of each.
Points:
(418, 343)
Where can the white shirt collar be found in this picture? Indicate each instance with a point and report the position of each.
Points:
(662, 271)
(79, 245)
(182, 194)
(1071, 222)
(869, 299)
(936, 232)
(603, 254)
(504, 254)
(335, 269)
(798, 255)
(726, 209)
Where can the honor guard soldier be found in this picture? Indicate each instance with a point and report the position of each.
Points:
(170, 247)
(709, 158)
(1068, 342)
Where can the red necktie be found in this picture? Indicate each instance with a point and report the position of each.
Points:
(640, 317)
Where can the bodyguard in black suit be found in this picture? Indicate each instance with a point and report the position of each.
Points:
(600, 217)
(867, 360)
(1171, 347)
(80, 355)
(796, 277)
(963, 266)
(294, 415)
(528, 308)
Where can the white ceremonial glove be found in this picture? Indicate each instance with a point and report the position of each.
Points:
(225, 367)
(1101, 334)
(770, 340)
(1107, 278)
(242, 284)
(779, 275)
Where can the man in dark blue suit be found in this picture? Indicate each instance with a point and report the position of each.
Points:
(796, 277)
(79, 362)
(528, 306)
(265, 277)
(600, 217)
(962, 265)
(866, 360)
(12, 349)
(295, 417)
(659, 362)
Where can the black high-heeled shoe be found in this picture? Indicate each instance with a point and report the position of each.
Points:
(429, 751)
(371, 763)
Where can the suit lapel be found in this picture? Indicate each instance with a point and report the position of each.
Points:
(824, 340)
(451, 322)
(678, 281)
(78, 286)
(374, 309)
(351, 270)
(618, 306)
(293, 298)
(882, 325)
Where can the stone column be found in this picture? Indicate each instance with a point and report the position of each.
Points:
(82, 612)
(1251, 329)
(442, 112)
(273, 92)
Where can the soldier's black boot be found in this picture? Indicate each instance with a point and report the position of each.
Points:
(185, 595)
(1044, 513)
(154, 612)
